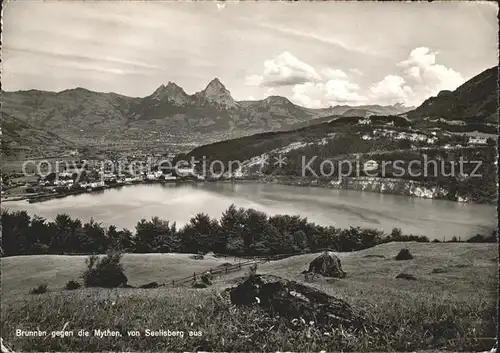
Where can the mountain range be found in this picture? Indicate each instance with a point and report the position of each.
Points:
(19, 137)
(79, 114)
(86, 117)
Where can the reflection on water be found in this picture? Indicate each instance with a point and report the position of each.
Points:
(341, 208)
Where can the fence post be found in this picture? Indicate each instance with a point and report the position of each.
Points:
(226, 270)
(173, 282)
(194, 276)
(239, 265)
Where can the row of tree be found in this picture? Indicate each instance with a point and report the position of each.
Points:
(240, 232)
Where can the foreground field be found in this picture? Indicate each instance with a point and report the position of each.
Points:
(451, 305)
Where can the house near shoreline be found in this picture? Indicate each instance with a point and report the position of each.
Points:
(478, 140)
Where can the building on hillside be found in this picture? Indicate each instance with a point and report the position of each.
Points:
(477, 140)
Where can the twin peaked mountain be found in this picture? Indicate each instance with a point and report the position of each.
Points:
(85, 116)
(214, 94)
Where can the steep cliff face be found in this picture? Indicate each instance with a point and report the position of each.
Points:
(390, 186)
(371, 184)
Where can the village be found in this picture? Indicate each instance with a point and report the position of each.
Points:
(42, 182)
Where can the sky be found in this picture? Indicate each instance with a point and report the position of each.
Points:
(317, 54)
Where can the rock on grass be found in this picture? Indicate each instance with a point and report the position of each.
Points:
(293, 300)
(327, 265)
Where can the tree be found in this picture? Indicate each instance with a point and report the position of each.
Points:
(95, 238)
(68, 235)
(120, 241)
(199, 234)
(155, 236)
(15, 227)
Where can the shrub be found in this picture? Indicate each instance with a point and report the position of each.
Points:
(252, 270)
(42, 288)
(71, 285)
(206, 278)
(105, 272)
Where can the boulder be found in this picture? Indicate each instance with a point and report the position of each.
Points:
(327, 265)
(404, 254)
(293, 300)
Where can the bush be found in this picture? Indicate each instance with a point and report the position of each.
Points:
(206, 278)
(252, 270)
(71, 285)
(42, 288)
(106, 272)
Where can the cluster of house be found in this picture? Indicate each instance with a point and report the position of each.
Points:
(430, 139)
(402, 135)
(478, 140)
(448, 122)
(99, 176)
(368, 121)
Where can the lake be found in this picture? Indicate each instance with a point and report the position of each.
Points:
(124, 207)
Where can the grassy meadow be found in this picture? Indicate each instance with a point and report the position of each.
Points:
(450, 306)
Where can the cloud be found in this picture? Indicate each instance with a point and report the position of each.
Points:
(357, 72)
(324, 94)
(329, 40)
(309, 88)
(392, 89)
(411, 82)
(284, 70)
(421, 66)
(334, 73)
(254, 80)
(421, 78)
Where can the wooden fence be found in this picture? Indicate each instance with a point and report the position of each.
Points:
(235, 267)
(216, 271)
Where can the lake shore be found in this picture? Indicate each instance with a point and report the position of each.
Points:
(393, 186)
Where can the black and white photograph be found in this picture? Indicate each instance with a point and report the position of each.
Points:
(249, 176)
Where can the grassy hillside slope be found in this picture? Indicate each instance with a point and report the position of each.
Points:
(454, 309)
